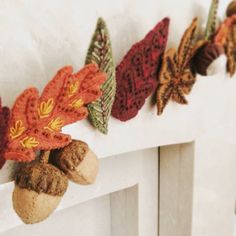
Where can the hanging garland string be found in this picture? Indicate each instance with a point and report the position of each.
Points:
(97, 91)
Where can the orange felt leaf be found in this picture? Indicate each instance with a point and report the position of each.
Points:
(68, 97)
(36, 122)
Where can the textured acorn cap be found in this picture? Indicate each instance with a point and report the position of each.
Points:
(77, 161)
(231, 9)
(42, 178)
(33, 207)
(205, 56)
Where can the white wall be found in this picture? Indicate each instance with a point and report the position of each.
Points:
(39, 37)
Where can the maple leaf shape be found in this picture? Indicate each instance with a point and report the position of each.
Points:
(100, 52)
(176, 78)
(136, 75)
(226, 37)
(4, 119)
(36, 121)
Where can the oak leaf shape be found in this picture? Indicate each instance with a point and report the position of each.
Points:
(36, 122)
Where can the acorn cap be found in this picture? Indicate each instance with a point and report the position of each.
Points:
(205, 56)
(231, 9)
(77, 161)
(42, 178)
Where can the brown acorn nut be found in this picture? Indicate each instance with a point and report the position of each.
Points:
(231, 9)
(77, 161)
(205, 56)
(38, 190)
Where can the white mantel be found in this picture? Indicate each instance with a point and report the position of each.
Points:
(39, 37)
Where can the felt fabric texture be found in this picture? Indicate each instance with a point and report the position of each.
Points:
(42, 178)
(205, 56)
(36, 122)
(136, 75)
(226, 37)
(211, 21)
(77, 161)
(4, 120)
(176, 78)
(231, 9)
(33, 207)
(100, 52)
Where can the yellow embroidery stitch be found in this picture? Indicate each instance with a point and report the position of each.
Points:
(73, 89)
(55, 124)
(29, 142)
(77, 103)
(45, 108)
(17, 130)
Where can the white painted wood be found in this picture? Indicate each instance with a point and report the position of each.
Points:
(176, 189)
(116, 173)
(38, 37)
(86, 219)
(41, 36)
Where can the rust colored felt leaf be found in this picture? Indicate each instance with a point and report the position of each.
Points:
(136, 75)
(36, 122)
(226, 37)
(176, 78)
(4, 120)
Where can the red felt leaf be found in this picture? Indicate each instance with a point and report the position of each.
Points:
(136, 75)
(4, 119)
(36, 122)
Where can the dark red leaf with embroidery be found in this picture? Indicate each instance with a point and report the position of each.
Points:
(4, 119)
(136, 75)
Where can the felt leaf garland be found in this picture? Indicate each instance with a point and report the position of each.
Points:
(226, 37)
(4, 119)
(209, 51)
(136, 75)
(36, 122)
(100, 52)
(176, 77)
(211, 22)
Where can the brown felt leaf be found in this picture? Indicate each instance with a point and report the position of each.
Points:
(176, 78)
(226, 37)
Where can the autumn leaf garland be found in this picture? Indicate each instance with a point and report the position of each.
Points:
(176, 78)
(36, 122)
(100, 52)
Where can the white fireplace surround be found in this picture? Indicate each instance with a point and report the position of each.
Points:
(190, 181)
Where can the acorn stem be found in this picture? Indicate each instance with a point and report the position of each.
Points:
(44, 156)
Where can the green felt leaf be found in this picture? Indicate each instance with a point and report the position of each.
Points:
(100, 52)
(212, 17)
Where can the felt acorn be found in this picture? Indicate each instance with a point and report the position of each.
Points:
(77, 161)
(231, 9)
(39, 187)
(205, 56)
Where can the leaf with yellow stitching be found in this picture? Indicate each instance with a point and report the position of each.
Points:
(36, 122)
(100, 52)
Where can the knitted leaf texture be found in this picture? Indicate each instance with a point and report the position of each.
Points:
(36, 122)
(211, 22)
(4, 120)
(136, 75)
(176, 78)
(226, 37)
(100, 52)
